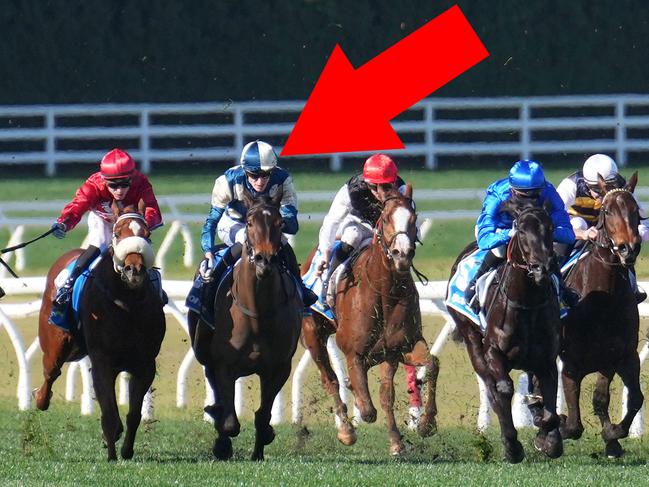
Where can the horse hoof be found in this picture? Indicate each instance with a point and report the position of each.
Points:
(567, 433)
(347, 438)
(514, 453)
(127, 453)
(369, 416)
(427, 427)
(397, 448)
(553, 444)
(222, 449)
(614, 449)
(42, 400)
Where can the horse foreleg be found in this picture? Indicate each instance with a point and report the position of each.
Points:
(420, 356)
(388, 370)
(501, 390)
(315, 340)
(549, 439)
(571, 425)
(357, 370)
(271, 384)
(138, 385)
(56, 349)
(225, 421)
(630, 374)
(601, 401)
(103, 378)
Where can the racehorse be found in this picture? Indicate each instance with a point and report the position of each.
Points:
(600, 334)
(378, 321)
(122, 326)
(257, 327)
(522, 328)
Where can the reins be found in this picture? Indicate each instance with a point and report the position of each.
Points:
(20, 246)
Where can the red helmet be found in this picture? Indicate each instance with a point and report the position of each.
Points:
(380, 169)
(117, 164)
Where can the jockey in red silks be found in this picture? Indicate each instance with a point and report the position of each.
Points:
(116, 180)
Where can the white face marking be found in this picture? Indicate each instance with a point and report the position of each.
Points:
(400, 219)
(135, 227)
(266, 212)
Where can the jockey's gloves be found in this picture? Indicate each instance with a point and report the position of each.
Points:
(59, 229)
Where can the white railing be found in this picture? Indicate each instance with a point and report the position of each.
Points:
(51, 135)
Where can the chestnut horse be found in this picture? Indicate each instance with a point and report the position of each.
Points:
(377, 322)
(122, 327)
(522, 329)
(257, 327)
(600, 334)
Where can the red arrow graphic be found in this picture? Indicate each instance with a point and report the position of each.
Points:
(350, 109)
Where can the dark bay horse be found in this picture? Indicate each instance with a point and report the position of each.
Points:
(600, 334)
(257, 327)
(122, 327)
(377, 322)
(522, 329)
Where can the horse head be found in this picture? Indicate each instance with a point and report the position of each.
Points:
(531, 247)
(618, 222)
(263, 231)
(396, 229)
(131, 249)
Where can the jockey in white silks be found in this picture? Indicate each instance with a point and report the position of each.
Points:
(582, 197)
(354, 212)
(259, 174)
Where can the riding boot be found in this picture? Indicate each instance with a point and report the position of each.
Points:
(211, 285)
(639, 293)
(568, 295)
(290, 261)
(489, 261)
(340, 254)
(64, 293)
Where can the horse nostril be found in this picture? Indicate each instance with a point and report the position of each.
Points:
(395, 253)
(258, 258)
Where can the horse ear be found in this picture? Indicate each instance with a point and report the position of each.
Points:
(601, 183)
(408, 192)
(633, 180)
(247, 198)
(141, 207)
(277, 199)
(115, 208)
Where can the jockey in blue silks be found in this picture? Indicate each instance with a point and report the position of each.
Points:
(259, 174)
(526, 182)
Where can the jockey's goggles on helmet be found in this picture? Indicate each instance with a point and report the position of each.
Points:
(375, 187)
(258, 175)
(594, 187)
(527, 193)
(118, 183)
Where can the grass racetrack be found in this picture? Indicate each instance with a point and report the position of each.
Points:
(60, 447)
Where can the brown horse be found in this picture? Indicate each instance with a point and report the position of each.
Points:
(601, 333)
(122, 327)
(377, 322)
(257, 327)
(522, 329)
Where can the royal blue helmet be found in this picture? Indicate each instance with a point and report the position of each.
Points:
(526, 175)
(258, 156)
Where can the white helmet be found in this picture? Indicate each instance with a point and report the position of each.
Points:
(599, 164)
(258, 156)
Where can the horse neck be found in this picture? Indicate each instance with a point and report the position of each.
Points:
(603, 267)
(258, 295)
(516, 279)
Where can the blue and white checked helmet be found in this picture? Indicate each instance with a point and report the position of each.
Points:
(258, 156)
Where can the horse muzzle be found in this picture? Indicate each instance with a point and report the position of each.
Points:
(628, 253)
(133, 275)
(402, 260)
(263, 267)
(537, 272)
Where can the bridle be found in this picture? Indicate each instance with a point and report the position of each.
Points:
(379, 235)
(608, 242)
(515, 240)
(130, 245)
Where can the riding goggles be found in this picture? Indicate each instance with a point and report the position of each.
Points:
(118, 183)
(527, 193)
(258, 175)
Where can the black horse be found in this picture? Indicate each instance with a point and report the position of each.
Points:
(123, 325)
(601, 333)
(522, 328)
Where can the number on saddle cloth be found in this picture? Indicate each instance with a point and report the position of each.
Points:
(68, 319)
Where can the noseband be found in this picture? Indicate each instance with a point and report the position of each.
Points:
(609, 243)
(130, 245)
(510, 246)
(386, 241)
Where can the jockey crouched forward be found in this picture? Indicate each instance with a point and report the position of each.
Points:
(526, 182)
(116, 180)
(583, 199)
(354, 212)
(258, 173)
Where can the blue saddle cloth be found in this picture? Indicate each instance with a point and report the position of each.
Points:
(194, 300)
(466, 269)
(69, 319)
(314, 283)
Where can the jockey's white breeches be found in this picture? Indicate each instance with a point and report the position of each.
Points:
(100, 232)
(578, 223)
(500, 252)
(230, 230)
(353, 231)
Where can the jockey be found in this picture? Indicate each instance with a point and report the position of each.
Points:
(259, 173)
(354, 212)
(116, 180)
(526, 182)
(583, 198)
